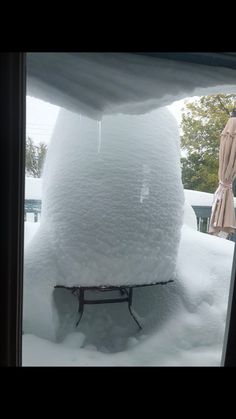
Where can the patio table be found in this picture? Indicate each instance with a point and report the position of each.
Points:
(126, 295)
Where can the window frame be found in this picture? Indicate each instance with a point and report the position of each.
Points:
(12, 169)
(12, 166)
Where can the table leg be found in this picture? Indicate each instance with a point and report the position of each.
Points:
(81, 305)
(130, 307)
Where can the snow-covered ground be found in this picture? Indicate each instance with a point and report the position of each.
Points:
(184, 324)
(185, 328)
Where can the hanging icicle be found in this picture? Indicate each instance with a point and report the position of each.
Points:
(99, 136)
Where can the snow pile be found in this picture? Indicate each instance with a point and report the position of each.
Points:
(95, 84)
(190, 218)
(112, 208)
(33, 190)
(183, 321)
(30, 230)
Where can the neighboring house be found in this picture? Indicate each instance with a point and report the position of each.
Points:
(201, 202)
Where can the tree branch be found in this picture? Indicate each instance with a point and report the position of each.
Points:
(223, 106)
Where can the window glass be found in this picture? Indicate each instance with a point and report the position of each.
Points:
(121, 170)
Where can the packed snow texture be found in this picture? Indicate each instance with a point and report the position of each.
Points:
(33, 190)
(190, 218)
(112, 209)
(183, 322)
(95, 84)
(188, 333)
(29, 231)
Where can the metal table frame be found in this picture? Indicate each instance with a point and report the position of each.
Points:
(126, 292)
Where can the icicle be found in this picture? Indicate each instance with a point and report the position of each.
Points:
(99, 136)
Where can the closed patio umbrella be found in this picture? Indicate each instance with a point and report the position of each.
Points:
(223, 222)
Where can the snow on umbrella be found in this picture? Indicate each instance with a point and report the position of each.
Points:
(223, 222)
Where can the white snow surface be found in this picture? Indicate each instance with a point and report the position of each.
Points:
(95, 84)
(184, 321)
(33, 190)
(112, 209)
(190, 218)
(30, 230)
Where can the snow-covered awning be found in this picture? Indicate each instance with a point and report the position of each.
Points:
(94, 84)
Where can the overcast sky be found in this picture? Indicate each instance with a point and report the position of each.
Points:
(41, 117)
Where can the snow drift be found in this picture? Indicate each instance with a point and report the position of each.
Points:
(184, 321)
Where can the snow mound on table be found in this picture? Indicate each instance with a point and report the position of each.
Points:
(112, 206)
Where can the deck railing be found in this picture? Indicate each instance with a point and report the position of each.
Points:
(203, 215)
(33, 209)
